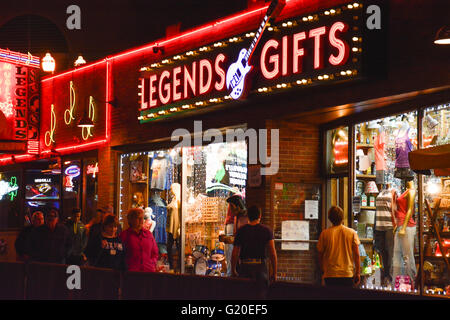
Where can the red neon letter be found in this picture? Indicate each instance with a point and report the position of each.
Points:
(342, 46)
(176, 84)
(298, 52)
(164, 99)
(274, 59)
(220, 72)
(144, 104)
(284, 62)
(205, 87)
(190, 80)
(317, 33)
(153, 78)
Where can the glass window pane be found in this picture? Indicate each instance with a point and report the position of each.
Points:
(436, 126)
(385, 202)
(436, 206)
(9, 200)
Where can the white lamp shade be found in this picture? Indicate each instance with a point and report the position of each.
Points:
(371, 187)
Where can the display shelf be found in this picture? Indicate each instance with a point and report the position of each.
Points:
(364, 145)
(366, 176)
(443, 234)
(433, 257)
(138, 182)
(366, 240)
(368, 208)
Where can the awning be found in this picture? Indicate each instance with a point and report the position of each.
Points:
(437, 158)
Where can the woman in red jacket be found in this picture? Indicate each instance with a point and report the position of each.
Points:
(140, 245)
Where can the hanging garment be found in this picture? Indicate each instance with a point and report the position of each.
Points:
(403, 147)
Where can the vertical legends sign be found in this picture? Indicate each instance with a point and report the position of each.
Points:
(21, 106)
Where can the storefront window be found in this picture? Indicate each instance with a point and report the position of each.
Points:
(436, 206)
(151, 181)
(42, 190)
(10, 199)
(91, 170)
(336, 156)
(385, 203)
(184, 192)
(213, 173)
(72, 175)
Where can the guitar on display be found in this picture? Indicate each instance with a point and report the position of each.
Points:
(238, 70)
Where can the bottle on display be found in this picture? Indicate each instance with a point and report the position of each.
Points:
(363, 200)
(372, 201)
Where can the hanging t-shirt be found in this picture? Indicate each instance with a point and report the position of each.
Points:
(380, 141)
(403, 147)
(159, 171)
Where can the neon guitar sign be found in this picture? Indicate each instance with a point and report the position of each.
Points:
(238, 70)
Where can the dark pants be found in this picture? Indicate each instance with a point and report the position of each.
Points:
(170, 242)
(75, 260)
(339, 282)
(384, 244)
(257, 272)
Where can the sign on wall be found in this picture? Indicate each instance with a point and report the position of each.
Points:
(316, 49)
(19, 102)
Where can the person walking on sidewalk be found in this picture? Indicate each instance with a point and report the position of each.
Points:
(22, 243)
(338, 252)
(250, 245)
(109, 250)
(79, 238)
(50, 242)
(141, 250)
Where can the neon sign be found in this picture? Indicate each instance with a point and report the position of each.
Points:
(71, 172)
(91, 169)
(322, 47)
(9, 188)
(49, 137)
(68, 113)
(86, 131)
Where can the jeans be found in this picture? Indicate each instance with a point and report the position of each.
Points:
(403, 262)
(257, 272)
(384, 244)
(229, 228)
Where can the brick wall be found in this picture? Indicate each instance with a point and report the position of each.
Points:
(107, 177)
(298, 171)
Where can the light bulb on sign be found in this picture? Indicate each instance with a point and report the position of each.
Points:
(48, 63)
(80, 61)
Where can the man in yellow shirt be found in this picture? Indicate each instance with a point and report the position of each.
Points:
(338, 252)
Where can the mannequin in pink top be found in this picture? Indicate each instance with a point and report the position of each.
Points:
(404, 234)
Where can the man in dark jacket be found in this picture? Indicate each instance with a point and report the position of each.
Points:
(22, 243)
(50, 242)
(78, 236)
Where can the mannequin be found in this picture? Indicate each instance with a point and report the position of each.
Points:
(173, 219)
(159, 207)
(403, 147)
(404, 234)
(383, 235)
(149, 217)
